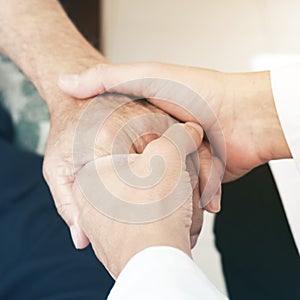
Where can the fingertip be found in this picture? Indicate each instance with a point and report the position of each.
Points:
(214, 206)
(79, 239)
(74, 235)
(68, 82)
(196, 132)
(87, 84)
(193, 240)
(187, 137)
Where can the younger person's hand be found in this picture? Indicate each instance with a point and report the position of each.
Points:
(243, 104)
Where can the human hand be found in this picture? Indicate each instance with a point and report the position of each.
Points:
(58, 167)
(59, 170)
(108, 234)
(243, 104)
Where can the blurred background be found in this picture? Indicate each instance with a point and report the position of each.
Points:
(232, 35)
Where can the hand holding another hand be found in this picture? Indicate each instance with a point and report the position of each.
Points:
(242, 102)
(116, 241)
(59, 170)
(58, 165)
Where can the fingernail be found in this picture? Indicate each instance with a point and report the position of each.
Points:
(216, 204)
(193, 240)
(197, 127)
(69, 81)
(74, 235)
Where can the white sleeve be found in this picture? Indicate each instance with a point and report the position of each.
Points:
(163, 273)
(286, 91)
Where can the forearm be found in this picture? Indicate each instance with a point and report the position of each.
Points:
(39, 37)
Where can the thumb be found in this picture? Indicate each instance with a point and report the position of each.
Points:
(184, 138)
(141, 80)
(107, 77)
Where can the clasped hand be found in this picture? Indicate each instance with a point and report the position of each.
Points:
(115, 241)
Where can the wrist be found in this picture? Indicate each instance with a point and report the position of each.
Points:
(154, 237)
(42, 41)
(47, 83)
(254, 103)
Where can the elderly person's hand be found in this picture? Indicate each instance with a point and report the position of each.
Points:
(59, 169)
(114, 241)
(141, 123)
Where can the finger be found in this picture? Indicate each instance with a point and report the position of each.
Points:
(214, 205)
(184, 138)
(112, 78)
(197, 216)
(69, 212)
(60, 183)
(209, 182)
(84, 85)
(103, 77)
(108, 77)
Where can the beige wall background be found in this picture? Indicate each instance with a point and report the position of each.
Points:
(231, 35)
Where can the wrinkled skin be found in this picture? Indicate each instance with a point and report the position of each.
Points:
(58, 164)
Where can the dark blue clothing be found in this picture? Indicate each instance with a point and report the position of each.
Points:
(259, 256)
(37, 257)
